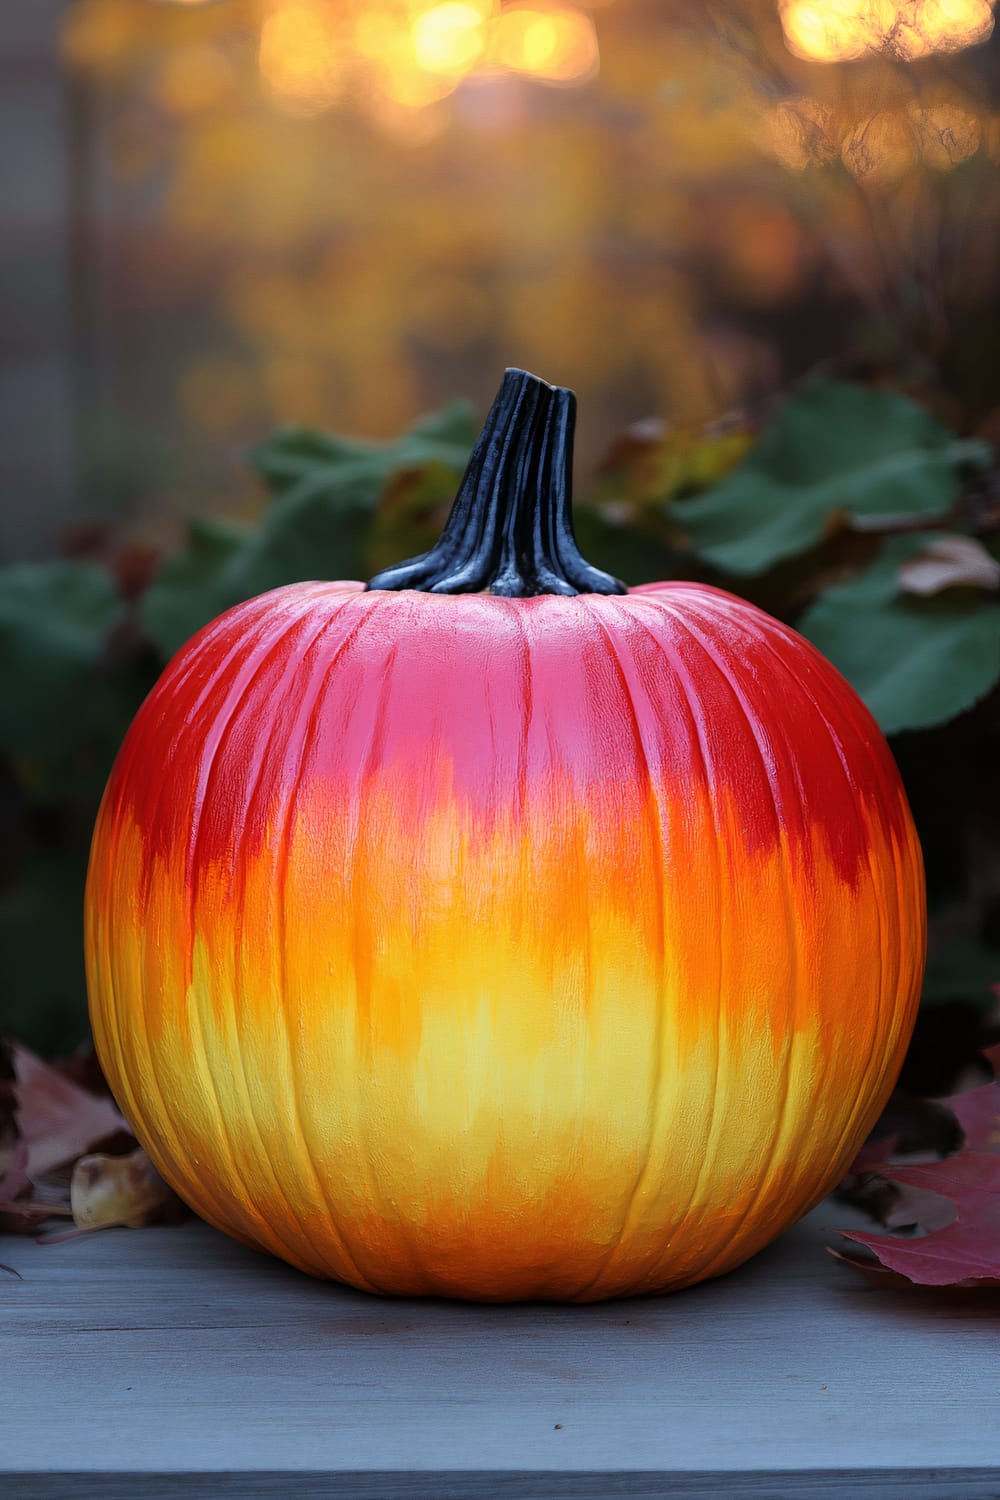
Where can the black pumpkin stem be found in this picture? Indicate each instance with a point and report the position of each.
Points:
(510, 530)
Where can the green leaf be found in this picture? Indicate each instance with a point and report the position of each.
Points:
(835, 452)
(915, 661)
(56, 620)
(297, 453)
(318, 525)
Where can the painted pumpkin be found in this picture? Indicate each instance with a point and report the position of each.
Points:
(494, 932)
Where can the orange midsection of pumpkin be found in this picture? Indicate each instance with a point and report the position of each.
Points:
(574, 1052)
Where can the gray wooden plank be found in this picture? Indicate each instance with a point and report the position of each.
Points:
(889, 1484)
(176, 1362)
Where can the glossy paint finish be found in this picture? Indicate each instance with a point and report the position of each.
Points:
(500, 948)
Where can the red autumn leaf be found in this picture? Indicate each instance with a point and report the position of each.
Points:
(978, 1111)
(965, 1250)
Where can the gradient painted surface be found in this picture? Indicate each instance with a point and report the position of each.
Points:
(550, 947)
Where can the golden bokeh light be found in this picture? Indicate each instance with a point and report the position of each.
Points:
(298, 57)
(951, 25)
(402, 82)
(375, 33)
(411, 54)
(842, 30)
(557, 44)
(450, 38)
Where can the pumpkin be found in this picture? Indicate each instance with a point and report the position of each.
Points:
(494, 932)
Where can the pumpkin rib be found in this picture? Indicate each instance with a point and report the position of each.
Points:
(282, 861)
(368, 604)
(256, 658)
(254, 610)
(625, 678)
(891, 795)
(698, 1272)
(150, 822)
(796, 686)
(99, 959)
(229, 714)
(879, 1026)
(699, 743)
(860, 723)
(532, 697)
(109, 1033)
(873, 875)
(279, 856)
(265, 647)
(778, 1209)
(797, 806)
(525, 620)
(365, 764)
(903, 838)
(243, 629)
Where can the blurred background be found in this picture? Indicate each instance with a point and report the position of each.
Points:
(223, 217)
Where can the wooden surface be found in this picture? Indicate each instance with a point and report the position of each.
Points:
(173, 1362)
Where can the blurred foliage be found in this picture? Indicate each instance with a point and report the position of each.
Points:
(56, 623)
(837, 451)
(827, 517)
(324, 494)
(917, 661)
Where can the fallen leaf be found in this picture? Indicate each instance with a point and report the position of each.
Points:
(978, 1110)
(110, 1190)
(46, 1122)
(950, 562)
(48, 1125)
(58, 1120)
(954, 1203)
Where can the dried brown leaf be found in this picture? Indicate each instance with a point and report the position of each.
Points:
(949, 562)
(127, 1190)
(58, 1120)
